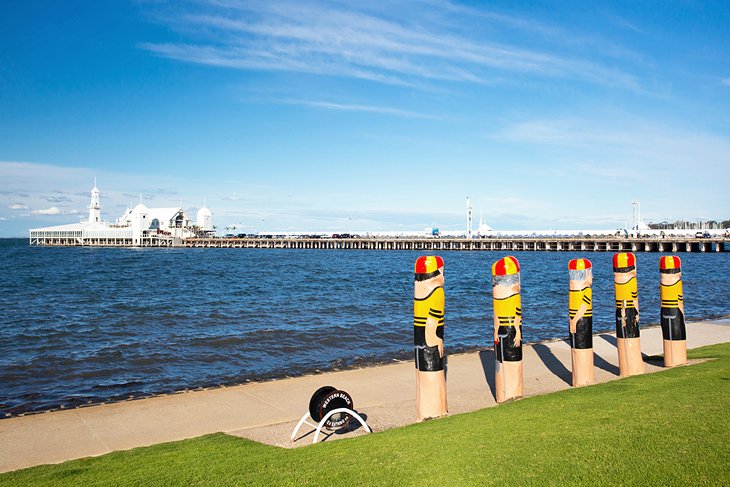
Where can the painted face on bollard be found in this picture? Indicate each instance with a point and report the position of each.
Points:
(670, 270)
(505, 286)
(624, 281)
(670, 279)
(505, 278)
(624, 277)
(582, 282)
(429, 271)
(624, 268)
(580, 272)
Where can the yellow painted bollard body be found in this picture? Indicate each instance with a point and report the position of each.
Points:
(507, 303)
(428, 338)
(580, 318)
(674, 332)
(628, 341)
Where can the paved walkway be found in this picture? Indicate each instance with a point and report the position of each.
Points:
(268, 411)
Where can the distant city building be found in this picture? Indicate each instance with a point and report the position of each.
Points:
(688, 225)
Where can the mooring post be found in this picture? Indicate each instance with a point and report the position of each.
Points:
(580, 314)
(507, 304)
(428, 337)
(628, 341)
(674, 332)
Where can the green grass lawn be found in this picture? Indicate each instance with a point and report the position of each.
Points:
(666, 428)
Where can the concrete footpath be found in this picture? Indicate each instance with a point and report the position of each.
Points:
(268, 411)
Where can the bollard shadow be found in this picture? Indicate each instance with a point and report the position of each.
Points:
(655, 360)
(602, 364)
(612, 340)
(487, 359)
(553, 364)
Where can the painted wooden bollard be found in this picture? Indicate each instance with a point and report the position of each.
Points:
(428, 338)
(580, 314)
(507, 329)
(630, 361)
(672, 313)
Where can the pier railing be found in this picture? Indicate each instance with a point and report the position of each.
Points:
(584, 244)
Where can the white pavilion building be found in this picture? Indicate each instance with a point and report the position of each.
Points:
(138, 227)
(205, 221)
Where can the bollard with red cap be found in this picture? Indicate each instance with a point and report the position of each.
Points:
(580, 317)
(507, 329)
(628, 341)
(428, 338)
(674, 332)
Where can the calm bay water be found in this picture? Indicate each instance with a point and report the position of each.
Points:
(81, 325)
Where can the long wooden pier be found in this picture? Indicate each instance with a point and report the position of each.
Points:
(501, 244)
(613, 244)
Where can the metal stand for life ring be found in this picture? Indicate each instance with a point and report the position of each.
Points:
(320, 425)
(326, 403)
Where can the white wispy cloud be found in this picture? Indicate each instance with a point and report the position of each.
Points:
(378, 45)
(640, 137)
(623, 23)
(58, 199)
(232, 197)
(565, 132)
(18, 206)
(53, 210)
(360, 108)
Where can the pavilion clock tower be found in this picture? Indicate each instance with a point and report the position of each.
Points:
(95, 205)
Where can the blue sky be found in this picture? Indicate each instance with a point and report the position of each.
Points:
(354, 116)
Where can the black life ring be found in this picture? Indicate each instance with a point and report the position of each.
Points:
(326, 399)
